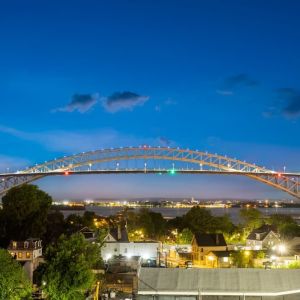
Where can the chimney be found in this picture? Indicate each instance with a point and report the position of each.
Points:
(119, 233)
(217, 239)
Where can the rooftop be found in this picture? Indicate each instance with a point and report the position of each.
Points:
(29, 244)
(255, 282)
(210, 239)
(261, 232)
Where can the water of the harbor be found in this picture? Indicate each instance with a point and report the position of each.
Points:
(177, 212)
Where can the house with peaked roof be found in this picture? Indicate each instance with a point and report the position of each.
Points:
(89, 234)
(117, 235)
(116, 243)
(264, 237)
(28, 253)
(204, 243)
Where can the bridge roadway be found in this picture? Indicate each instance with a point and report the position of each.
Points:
(147, 171)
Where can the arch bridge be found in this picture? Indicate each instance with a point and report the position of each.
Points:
(149, 160)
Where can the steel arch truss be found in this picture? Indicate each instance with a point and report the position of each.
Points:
(116, 160)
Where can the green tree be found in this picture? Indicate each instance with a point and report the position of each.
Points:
(199, 219)
(294, 265)
(159, 225)
(176, 223)
(184, 237)
(13, 281)
(152, 224)
(280, 220)
(67, 273)
(289, 231)
(55, 227)
(252, 218)
(242, 259)
(88, 219)
(286, 225)
(25, 210)
(224, 225)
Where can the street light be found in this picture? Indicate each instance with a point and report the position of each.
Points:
(281, 249)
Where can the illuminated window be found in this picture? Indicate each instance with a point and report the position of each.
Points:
(14, 245)
(27, 254)
(20, 254)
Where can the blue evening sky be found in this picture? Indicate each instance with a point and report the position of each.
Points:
(221, 76)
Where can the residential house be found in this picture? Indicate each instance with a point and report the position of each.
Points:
(88, 234)
(118, 234)
(116, 243)
(28, 253)
(204, 243)
(176, 255)
(264, 237)
(218, 259)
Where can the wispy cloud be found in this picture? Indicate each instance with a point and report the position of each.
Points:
(116, 102)
(224, 93)
(168, 102)
(83, 140)
(287, 104)
(233, 82)
(79, 102)
(123, 101)
(291, 99)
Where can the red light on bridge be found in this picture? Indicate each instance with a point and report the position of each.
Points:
(279, 175)
(67, 173)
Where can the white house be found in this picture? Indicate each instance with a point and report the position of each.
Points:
(262, 238)
(116, 243)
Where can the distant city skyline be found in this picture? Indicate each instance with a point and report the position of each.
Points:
(217, 76)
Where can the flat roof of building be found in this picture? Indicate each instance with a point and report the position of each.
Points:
(195, 281)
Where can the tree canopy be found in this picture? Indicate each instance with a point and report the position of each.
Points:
(152, 224)
(286, 225)
(25, 210)
(251, 218)
(199, 219)
(184, 237)
(67, 273)
(13, 281)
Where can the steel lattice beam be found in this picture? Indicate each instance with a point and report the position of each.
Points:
(201, 161)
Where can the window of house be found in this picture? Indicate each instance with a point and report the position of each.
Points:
(201, 250)
(14, 245)
(115, 250)
(25, 244)
(125, 251)
(20, 254)
(27, 254)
